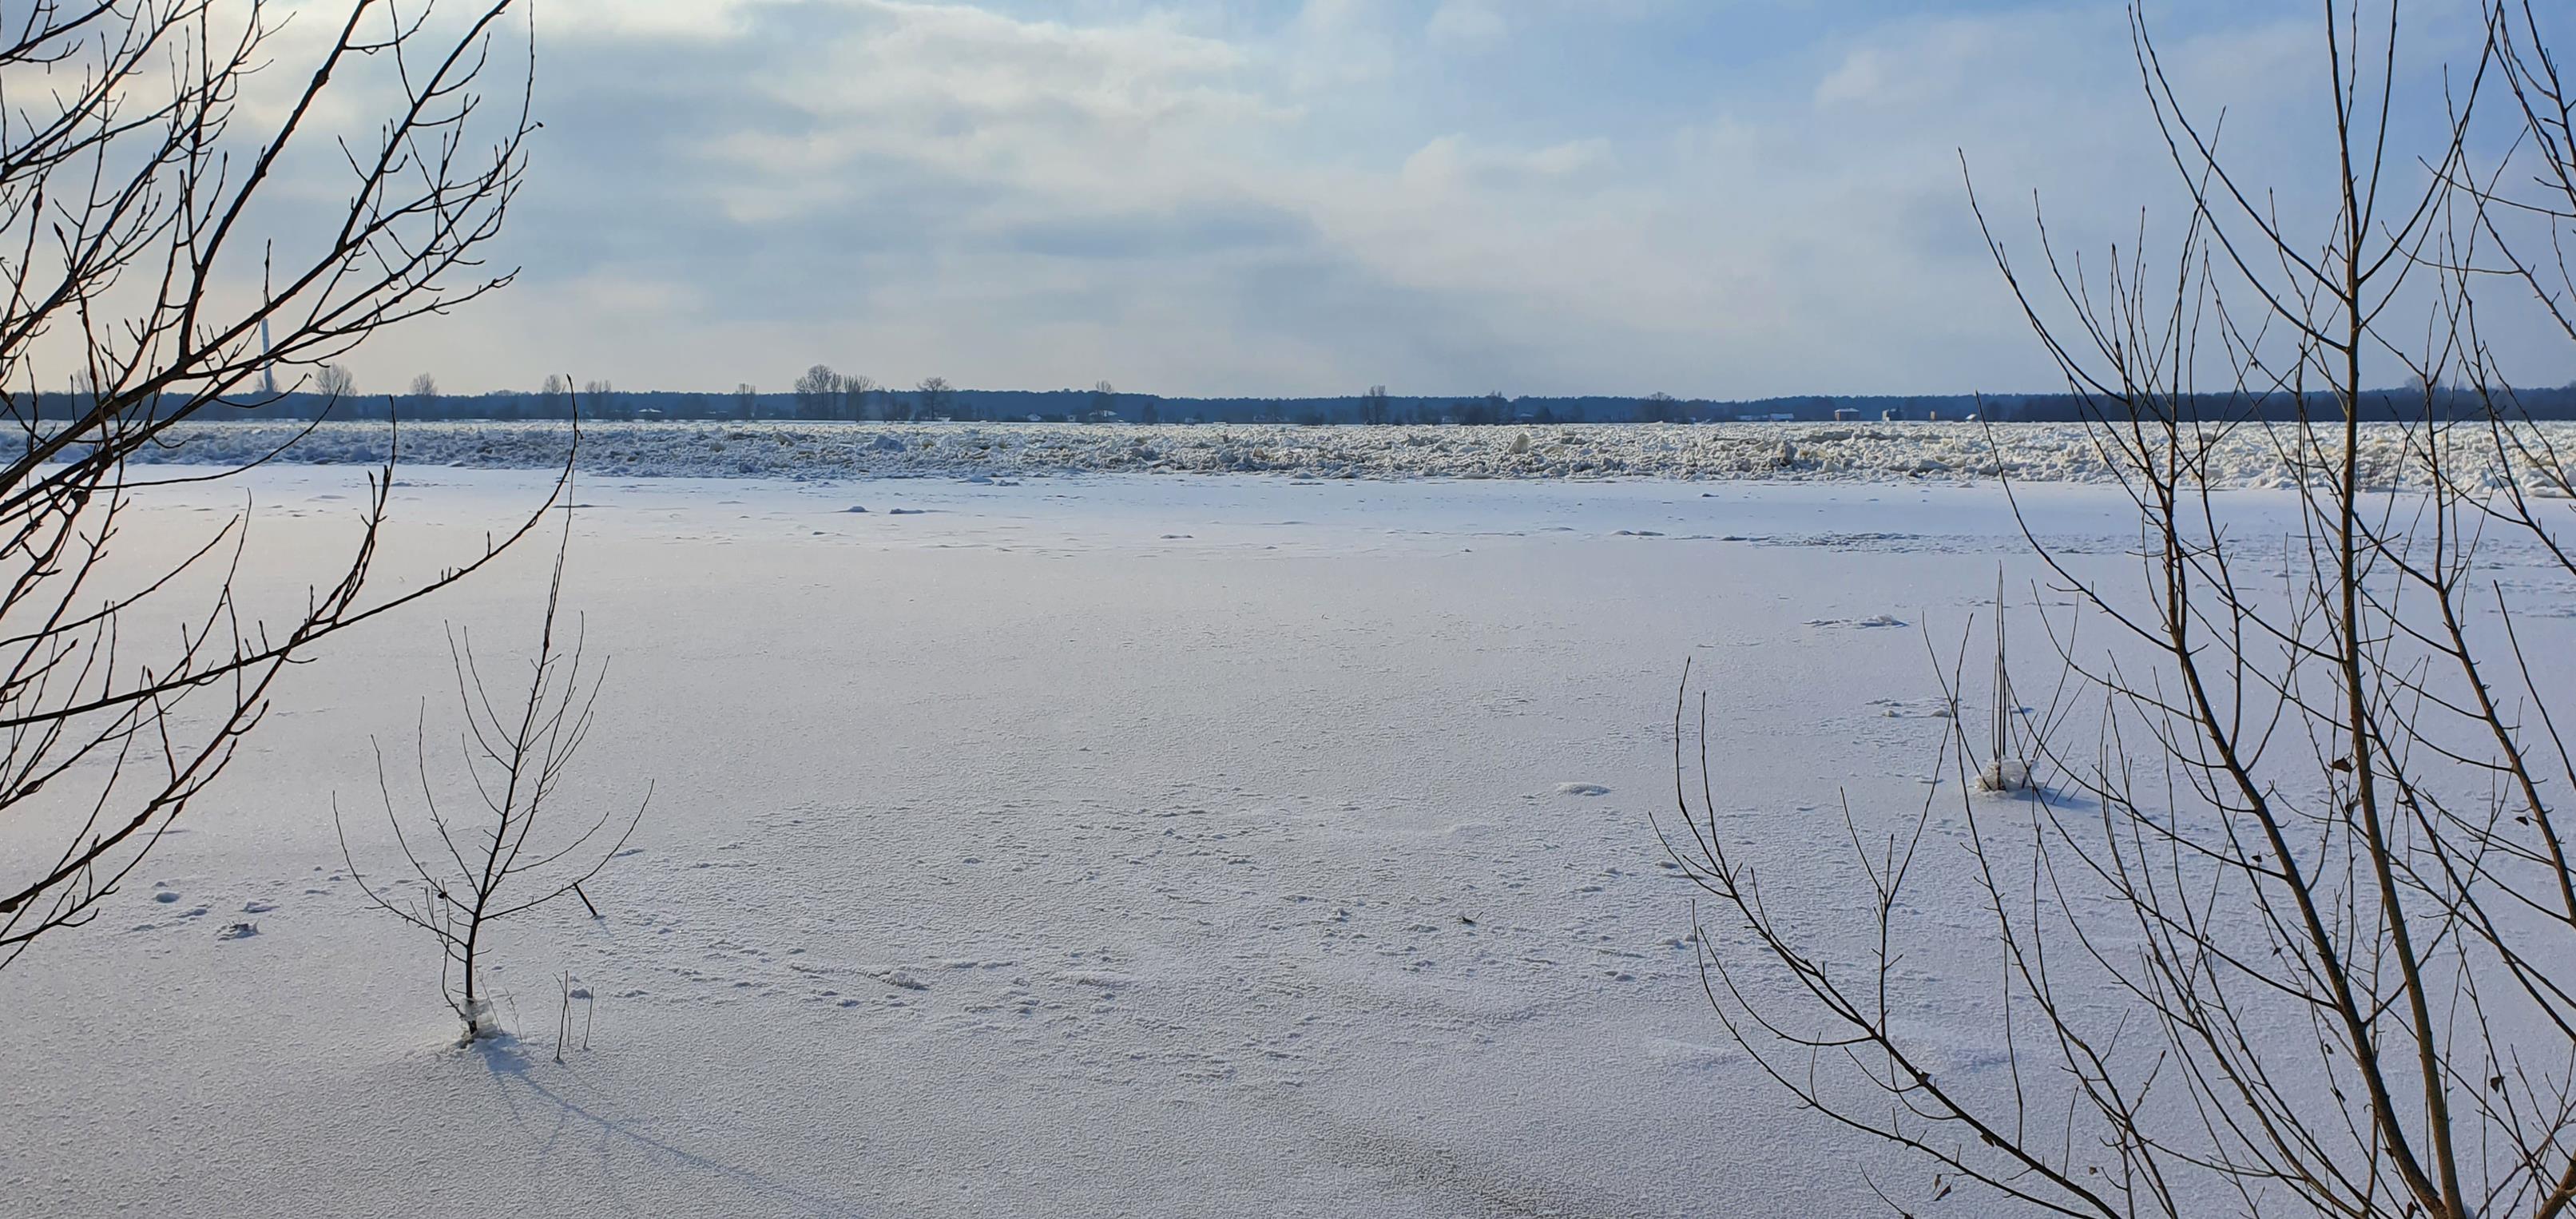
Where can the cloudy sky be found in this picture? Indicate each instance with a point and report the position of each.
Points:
(1719, 198)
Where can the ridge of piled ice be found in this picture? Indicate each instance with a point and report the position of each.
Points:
(2244, 456)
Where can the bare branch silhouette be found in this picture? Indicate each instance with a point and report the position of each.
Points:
(135, 185)
(502, 861)
(2289, 929)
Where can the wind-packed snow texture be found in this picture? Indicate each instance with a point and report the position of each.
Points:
(2251, 455)
(1108, 845)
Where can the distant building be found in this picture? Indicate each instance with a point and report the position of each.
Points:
(1846, 414)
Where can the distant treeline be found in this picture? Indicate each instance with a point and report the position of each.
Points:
(934, 401)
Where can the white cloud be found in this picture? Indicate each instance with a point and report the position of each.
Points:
(1455, 163)
(1334, 45)
(644, 18)
(1467, 25)
(1184, 203)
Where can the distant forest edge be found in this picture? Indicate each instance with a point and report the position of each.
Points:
(826, 396)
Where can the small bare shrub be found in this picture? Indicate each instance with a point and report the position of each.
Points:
(499, 860)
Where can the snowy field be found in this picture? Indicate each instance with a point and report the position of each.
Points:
(2249, 456)
(1086, 845)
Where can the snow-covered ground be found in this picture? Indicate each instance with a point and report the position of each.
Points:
(2247, 456)
(1085, 845)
